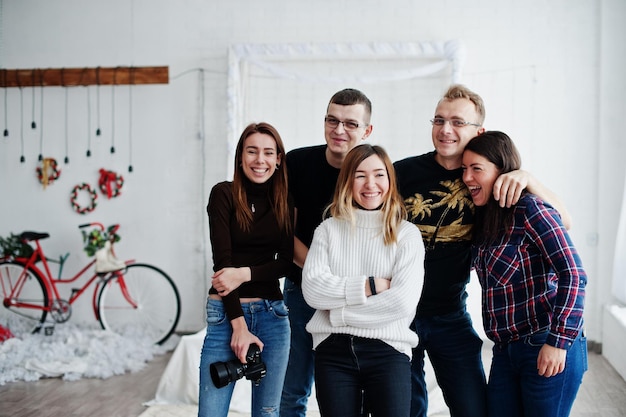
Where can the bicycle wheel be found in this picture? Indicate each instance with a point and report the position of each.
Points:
(140, 300)
(24, 298)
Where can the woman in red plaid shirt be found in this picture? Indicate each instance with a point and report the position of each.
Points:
(533, 290)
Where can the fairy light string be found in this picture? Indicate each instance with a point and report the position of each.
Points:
(41, 119)
(21, 121)
(130, 120)
(113, 111)
(130, 86)
(66, 160)
(21, 118)
(33, 124)
(6, 107)
(98, 131)
(88, 121)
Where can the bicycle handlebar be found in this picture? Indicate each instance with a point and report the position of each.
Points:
(99, 225)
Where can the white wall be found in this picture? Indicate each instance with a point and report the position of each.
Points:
(614, 327)
(550, 73)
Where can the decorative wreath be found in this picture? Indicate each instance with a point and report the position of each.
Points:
(110, 183)
(43, 172)
(74, 196)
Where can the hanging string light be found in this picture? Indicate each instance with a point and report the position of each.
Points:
(33, 125)
(6, 107)
(41, 119)
(131, 81)
(98, 131)
(21, 123)
(19, 85)
(84, 84)
(113, 112)
(66, 160)
(88, 119)
(130, 119)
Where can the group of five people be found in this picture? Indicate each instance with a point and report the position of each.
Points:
(367, 295)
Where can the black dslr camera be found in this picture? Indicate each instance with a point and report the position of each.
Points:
(223, 373)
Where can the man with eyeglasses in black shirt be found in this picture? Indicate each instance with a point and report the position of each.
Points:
(439, 204)
(313, 173)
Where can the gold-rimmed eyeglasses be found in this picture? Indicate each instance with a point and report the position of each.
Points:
(440, 121)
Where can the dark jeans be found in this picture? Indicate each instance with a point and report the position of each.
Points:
(299, 376)
(348, 366)
(454, 349)
(515, 388)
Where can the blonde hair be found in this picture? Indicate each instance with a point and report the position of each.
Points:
(343, 203)
(457, 91)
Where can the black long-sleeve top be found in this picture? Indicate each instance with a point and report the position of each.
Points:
(265, 248)
(312, 182)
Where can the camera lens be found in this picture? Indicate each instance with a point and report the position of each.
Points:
(223, 373)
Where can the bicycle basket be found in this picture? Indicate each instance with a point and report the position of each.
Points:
(96, 238)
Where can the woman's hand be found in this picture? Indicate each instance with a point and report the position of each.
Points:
(551, 361)
(242, 339)
(228, 279)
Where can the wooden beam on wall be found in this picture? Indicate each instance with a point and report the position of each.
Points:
(47, 77)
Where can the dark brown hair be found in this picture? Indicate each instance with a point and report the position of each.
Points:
(278, 192)
(350, 97)
(499, 149)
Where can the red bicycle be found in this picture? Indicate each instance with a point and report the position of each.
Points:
(134, 298)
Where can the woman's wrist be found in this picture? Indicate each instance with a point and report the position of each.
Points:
(372, 283)
(246, 274)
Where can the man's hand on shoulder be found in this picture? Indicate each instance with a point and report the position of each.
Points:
(508, 187)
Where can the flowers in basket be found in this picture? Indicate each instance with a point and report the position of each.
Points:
(98, 243)
(95, 239)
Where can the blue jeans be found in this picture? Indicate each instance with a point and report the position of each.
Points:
(454, 350)
(269, 321)
(299, 376)
(346, 367)
(515, 388)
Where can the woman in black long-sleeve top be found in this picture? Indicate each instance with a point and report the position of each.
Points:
(251, 230)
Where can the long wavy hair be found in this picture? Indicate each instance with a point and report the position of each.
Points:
(343, 204)
(499, 149)
(278, 190)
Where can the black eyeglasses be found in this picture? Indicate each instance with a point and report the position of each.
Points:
(440, 121)
(348, 124)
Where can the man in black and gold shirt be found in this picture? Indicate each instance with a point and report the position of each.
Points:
(439, 204)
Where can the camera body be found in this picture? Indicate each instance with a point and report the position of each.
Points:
(223, 373)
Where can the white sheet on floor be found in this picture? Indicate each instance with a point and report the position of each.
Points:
(73, 352)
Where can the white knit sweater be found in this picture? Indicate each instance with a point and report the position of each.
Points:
(341, 258)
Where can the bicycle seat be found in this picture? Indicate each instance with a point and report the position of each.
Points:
(28, 236)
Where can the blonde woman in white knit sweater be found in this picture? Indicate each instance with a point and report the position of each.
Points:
(363, 275)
